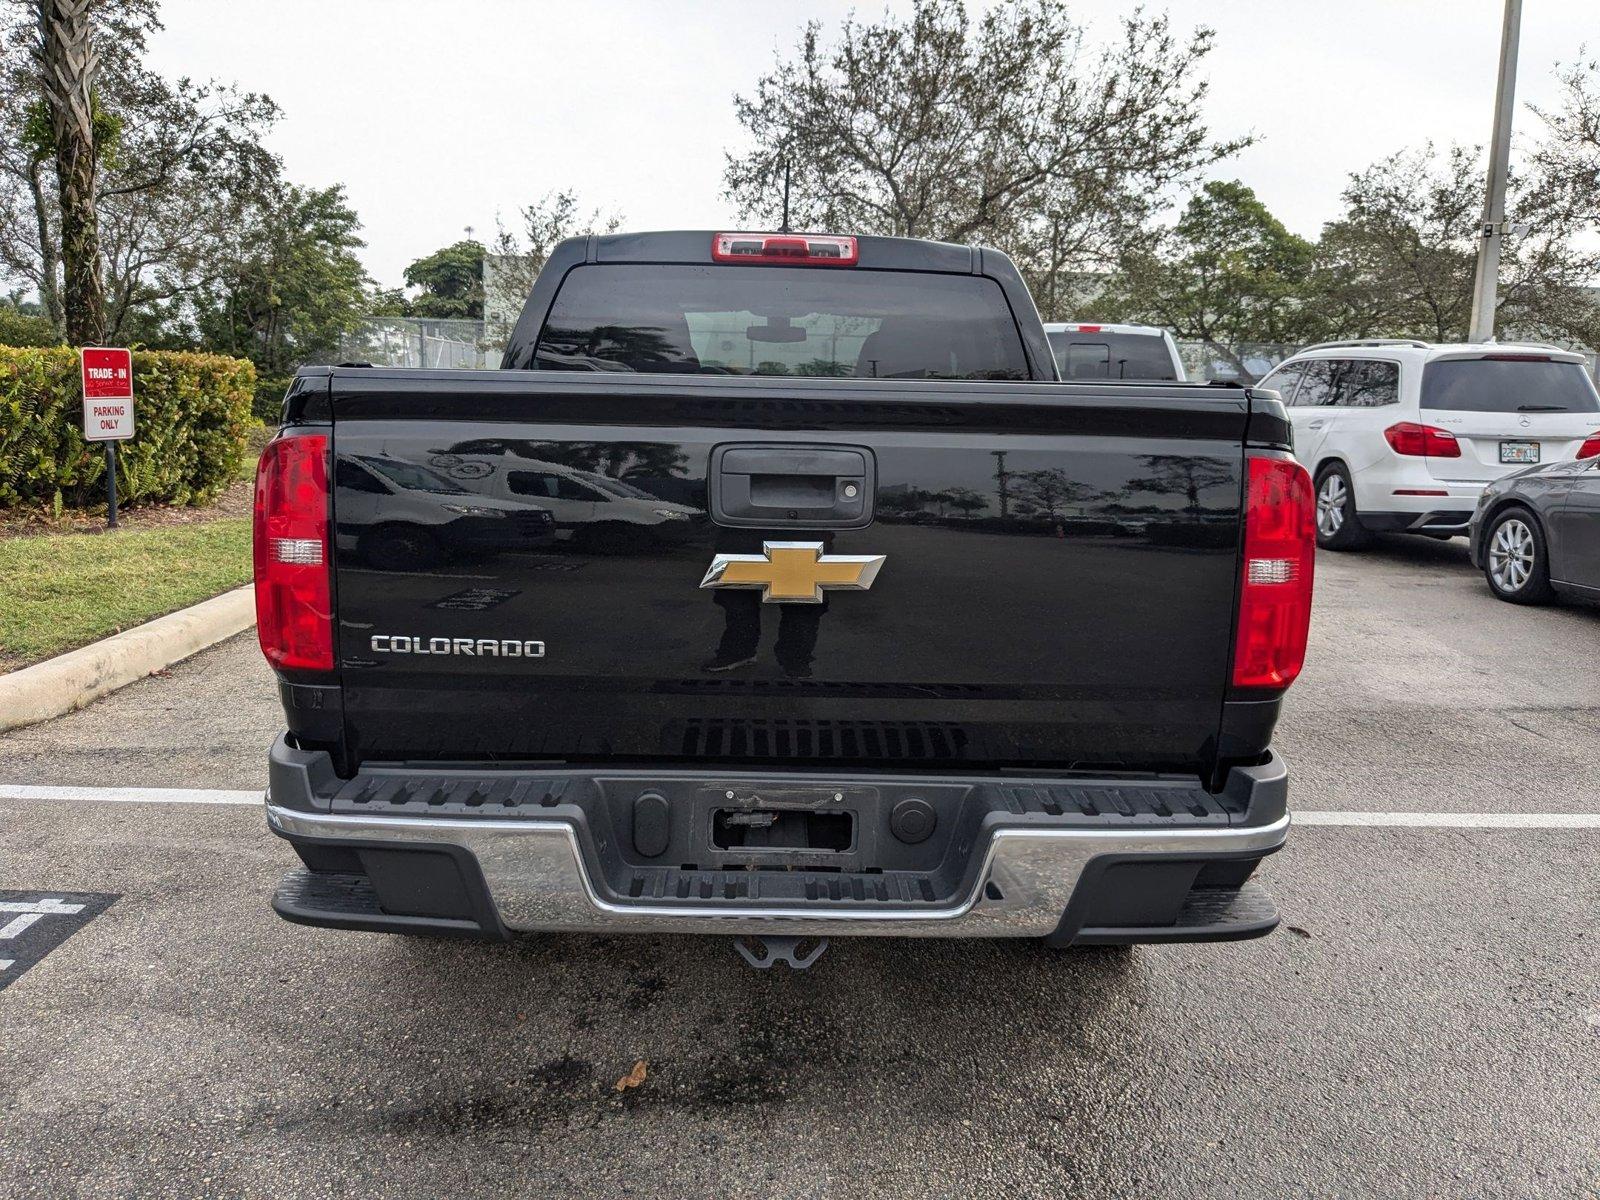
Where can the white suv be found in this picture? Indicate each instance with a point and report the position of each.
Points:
(1402, 436)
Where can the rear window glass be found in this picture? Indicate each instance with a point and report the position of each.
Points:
(1506, 385)
(1112, 356)
(781, 321)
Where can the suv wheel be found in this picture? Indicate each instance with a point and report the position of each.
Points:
(1338, 525)
(1514, 559)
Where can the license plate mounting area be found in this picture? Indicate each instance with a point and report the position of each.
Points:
(1519, 453)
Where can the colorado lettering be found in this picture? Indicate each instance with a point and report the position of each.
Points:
(394, 643)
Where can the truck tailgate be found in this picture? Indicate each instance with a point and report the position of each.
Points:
(1057, 585)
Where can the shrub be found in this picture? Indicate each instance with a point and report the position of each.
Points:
(25, 329)
(191, 415)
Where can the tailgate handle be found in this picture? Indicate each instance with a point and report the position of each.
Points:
(774, 486)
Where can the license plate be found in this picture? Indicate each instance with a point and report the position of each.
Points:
(1519, 452)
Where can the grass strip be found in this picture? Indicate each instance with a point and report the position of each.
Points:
(61, 591)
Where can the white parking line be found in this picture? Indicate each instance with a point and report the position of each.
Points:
(1406, 820)
(128, 795)
(17, 924)
(1448, 820)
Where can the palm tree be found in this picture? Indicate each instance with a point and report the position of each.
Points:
(68, 64)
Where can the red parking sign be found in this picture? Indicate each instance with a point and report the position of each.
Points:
(107, 394)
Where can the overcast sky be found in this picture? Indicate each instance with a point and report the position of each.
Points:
(440, 115)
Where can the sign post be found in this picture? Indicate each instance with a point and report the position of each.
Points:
(108, 409)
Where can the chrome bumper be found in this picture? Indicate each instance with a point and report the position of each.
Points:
(537, 880)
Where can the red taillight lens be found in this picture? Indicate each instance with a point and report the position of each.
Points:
(1591, 445)
(1279, 558)
(294, 613)
(809, 249)
(1422, 441)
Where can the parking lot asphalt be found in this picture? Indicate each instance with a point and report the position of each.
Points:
(1427, 1023)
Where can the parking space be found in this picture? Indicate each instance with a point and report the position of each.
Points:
(1427, 1023)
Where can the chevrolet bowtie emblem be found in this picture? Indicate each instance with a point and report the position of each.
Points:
(793, 572)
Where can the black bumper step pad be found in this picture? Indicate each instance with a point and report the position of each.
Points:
(1208, 914)
(1166, 804)
(342, 900)
(518, 795)
(405, 794)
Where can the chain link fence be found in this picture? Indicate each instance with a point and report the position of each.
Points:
(418, 342)
(1247, 362)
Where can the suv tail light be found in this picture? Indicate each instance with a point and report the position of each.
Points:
(294, 613)
(1279, 559)
(1591, 445)
(1422, 441)
(812, 249)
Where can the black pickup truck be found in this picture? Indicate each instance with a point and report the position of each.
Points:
(775, 586)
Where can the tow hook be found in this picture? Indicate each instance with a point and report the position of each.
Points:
(764, 953)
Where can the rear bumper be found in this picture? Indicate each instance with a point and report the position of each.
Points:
(1156, 863)
(1401, 495)
(1435, 521)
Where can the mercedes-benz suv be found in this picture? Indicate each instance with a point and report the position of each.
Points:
(1403, 436)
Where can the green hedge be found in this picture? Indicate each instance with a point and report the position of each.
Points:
(191, 414)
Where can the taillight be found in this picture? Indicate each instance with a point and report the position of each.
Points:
(294, 612)
(1591, 445)
(1279, 558)
(810, 249)
(1422, 441)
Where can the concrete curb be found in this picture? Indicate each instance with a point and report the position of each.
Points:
(70, 681)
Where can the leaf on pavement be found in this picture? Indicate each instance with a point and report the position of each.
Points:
(634, 1077)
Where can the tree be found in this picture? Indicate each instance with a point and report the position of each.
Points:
(68, 66)
(1400, 260)
(1227, 274)
(291, 284)
(1008, 130)
(451, 280)
(177, 162)
(519, 254)
(22, 325)
(1555, 264)
(29, 251)
(1566, 161)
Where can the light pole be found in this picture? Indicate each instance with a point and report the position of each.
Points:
(1493, 227)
